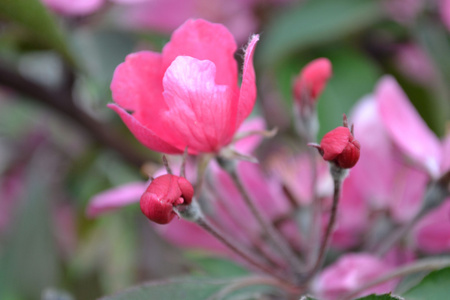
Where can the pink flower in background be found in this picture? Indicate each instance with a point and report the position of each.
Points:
(115, 198)
(399, 187)
(404, 11)
(165, 16)
(81, 7)
(415, 64)
(187, 96)
(74, 7)
(432, 234)
(444, 10)
(406, 128)
(350, 272)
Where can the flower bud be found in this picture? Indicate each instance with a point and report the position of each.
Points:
(310, 83)
(340, 147)
(163, 194)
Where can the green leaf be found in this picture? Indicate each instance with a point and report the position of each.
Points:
(29, 258)
(180, 288)
(216, 266)
(354, 75)
(380, 297)
(435, 286)
(40, 24)
(314, 23)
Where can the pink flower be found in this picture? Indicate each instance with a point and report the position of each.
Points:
(432, 233)
(115, 198)
(349, 273)
(406, 128)
(163, 194)
(165, 16)
(340, 147)
(74, 7)
(444, 10)
(187, 96)
(308, 86)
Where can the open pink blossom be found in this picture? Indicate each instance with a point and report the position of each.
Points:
(187, 96)
(406, 128)
(351, 272)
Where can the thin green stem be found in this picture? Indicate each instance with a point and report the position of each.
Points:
(227, 241)
(326, 238)
(272, 234)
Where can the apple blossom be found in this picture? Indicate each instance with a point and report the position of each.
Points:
(188, 95)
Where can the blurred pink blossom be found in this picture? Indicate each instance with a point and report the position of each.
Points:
(432, 234)
(444, 10)
(187, 96)
(403, 11)
(350, 272)
(74, 7)
(115, 198)
(165, 16)
(415, 64)
(382, 178)
(406, 128)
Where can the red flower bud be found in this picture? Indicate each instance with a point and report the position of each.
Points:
(309, 84)
(340, 147)
(163, 194)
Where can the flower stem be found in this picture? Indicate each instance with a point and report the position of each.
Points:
(418, 266)
(277, 239)
(338, 175)
(202, 222)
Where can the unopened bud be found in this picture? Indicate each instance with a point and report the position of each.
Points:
(312, 80)
(163, 194)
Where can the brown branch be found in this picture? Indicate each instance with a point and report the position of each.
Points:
(61, 102)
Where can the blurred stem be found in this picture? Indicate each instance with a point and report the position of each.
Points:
(418, 266)
(234, 246)
(338, 175)
(434, 197)
(316, 206)
(62, 102)
(272, 234)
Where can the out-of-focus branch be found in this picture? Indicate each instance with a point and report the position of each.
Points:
(61, 101)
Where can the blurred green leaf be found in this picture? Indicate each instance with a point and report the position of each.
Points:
(33, 16)
(313, 23)
(216, 266)
(180, 288)
(29, 260)
(354, 76)
(436, 42)
(379, 297)
(435, 286)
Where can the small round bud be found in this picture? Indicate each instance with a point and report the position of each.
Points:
(163, 194)
(340, 147)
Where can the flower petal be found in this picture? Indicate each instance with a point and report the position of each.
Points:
(204, 40)
(406, 127)
(202, 114)
(137, 85)
(247, 96)
(115, 198)
(144, 135)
